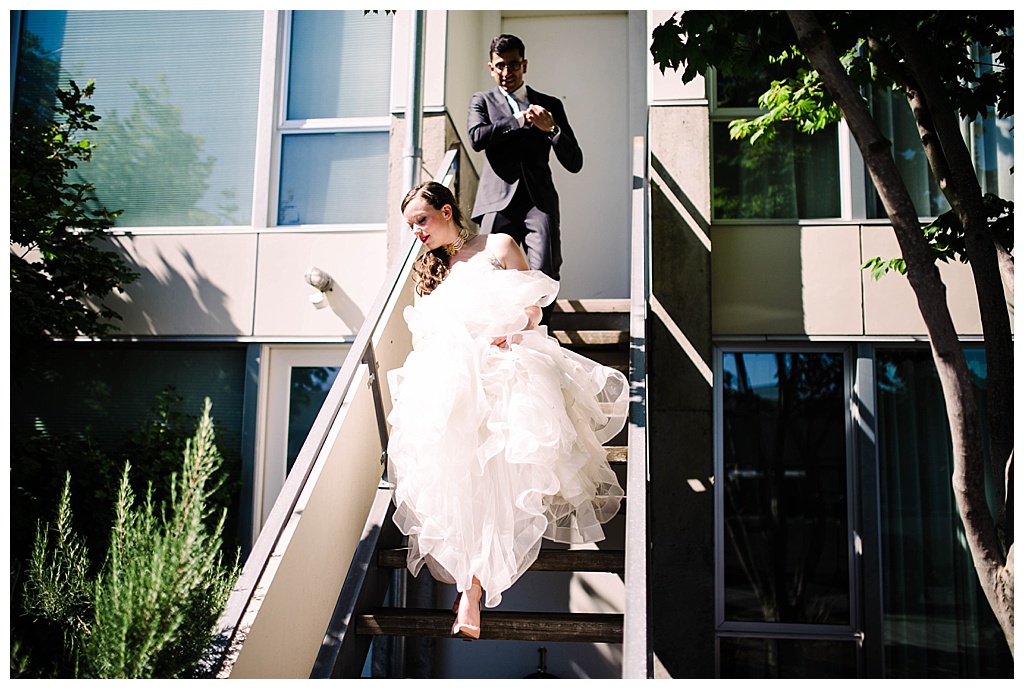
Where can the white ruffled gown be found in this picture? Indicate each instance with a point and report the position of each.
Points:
(494, 448)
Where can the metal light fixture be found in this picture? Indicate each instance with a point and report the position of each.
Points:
(320, 281)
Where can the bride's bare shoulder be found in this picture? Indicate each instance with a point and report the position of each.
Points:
(507, 251)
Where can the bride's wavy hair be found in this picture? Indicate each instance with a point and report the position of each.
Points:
(431, 268)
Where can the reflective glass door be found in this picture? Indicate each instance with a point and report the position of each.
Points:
(785, 605)
(294, 382)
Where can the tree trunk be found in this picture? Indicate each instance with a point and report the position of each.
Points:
(961, 406)
(951, 163)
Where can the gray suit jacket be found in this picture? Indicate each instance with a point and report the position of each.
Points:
(515, 154)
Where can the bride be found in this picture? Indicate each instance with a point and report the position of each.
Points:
(497, 431)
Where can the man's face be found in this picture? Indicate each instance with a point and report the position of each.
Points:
(508, 69)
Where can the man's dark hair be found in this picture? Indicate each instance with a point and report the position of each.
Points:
(506, 42)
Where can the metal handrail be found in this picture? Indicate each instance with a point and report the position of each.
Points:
(280, 514)
(637, 655)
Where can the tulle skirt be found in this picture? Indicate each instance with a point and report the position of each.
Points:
(493, 449)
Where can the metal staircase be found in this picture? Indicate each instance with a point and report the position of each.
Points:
(309, 599)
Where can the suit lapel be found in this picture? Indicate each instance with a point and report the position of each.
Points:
(498, 101)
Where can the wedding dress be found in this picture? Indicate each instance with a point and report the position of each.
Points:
(494, 448)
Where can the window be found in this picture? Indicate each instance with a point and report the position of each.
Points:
(937, 622)
(107, 390)
(785, 591)
(799, 176)
(784, 482)
(336, 115)
(792, 176)
(990, 140)
(792, 591)
(178, 95)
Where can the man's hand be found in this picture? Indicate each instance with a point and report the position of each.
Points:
(539, 117)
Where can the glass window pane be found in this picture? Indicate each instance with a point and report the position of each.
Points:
(792, 176)
(937, 620)
(891, 112)
(177, 93)
(340, 64)
(109, 389)
(309, 388)
(993, 155)
(744, 89)
(787, 659)
(333, 178)
(784, 481)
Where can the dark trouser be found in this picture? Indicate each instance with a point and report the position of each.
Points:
(534, 230)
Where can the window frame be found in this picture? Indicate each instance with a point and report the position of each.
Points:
(852, 191)
(852, 632)
(282, 127)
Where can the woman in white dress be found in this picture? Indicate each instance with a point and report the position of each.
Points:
(497, 431)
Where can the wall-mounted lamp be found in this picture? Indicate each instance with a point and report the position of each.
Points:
(322, 282)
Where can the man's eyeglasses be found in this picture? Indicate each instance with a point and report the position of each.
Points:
(510, 66)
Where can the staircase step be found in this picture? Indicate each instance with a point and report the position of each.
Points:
(517, 626)
(590, 338)
(591, 306)
(591, 322)
(549, 560)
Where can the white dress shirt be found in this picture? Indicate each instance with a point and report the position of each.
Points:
(520, 103)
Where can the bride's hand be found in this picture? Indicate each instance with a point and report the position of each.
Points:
(533, 316)
(506, 340)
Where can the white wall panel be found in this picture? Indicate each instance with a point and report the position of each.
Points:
(355, 261)
(193, 284)
(889, 303)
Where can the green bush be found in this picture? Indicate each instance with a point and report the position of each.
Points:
(150, 609)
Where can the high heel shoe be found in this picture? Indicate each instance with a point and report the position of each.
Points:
(466, 629)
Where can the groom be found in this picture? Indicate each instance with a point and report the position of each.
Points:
(517, 128)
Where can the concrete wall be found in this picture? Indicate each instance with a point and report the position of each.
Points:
(681, 568)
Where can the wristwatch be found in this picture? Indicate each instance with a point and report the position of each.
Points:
(554, 132)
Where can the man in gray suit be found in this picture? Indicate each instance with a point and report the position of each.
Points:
(517, 127)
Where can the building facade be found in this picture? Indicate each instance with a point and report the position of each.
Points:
(801, 519)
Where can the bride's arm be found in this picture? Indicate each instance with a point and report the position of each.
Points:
(512, 257)
(507, 251)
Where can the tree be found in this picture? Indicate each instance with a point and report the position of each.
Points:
(57, 270)
(928, 56)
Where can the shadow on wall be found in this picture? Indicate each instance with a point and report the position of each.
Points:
(174, 294)
(344, 307)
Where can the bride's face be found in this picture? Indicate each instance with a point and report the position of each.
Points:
(431, 226)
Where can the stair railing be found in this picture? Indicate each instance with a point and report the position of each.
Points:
(637, 655)
(273, 623)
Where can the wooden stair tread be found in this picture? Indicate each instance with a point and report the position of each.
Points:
(548, 560)
(591, 306)
(590, 338)
(518, 626)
